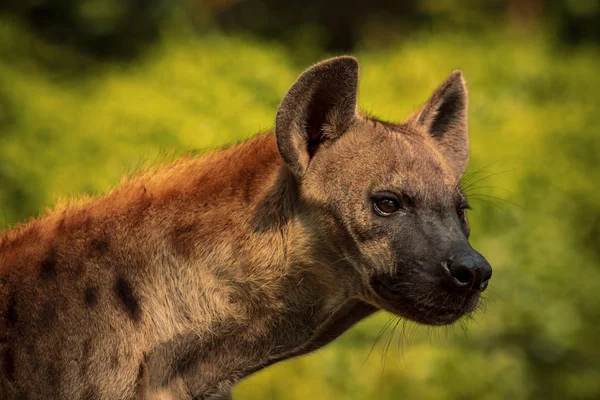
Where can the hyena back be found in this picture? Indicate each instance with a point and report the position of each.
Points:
(186, 279)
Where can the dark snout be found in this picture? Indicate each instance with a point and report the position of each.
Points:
(467, 270)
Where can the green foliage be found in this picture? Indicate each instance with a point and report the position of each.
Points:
(534, 172)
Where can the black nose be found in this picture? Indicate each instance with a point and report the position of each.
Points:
(468, 271)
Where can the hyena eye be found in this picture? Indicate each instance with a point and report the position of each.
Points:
(385, 205)
(462, 209)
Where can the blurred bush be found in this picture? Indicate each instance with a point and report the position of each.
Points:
(124, 28)
(103, 28)
(74, 119)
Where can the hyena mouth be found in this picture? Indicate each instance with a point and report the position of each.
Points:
(434, 306)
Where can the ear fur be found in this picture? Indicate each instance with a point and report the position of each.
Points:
(444, 117)
(320, 106)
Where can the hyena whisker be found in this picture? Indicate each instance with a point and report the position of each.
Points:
(496, 198)
(413, 332)
(491, 204)
(428, 298)
(401, 336)
(485, 167)
(379, 335)
(463, 326)
(491, 175)
(387, 344)
(429, 336)
(483, 170)
(492, 296)
(480, 309)
(467, 192)
(480, 177)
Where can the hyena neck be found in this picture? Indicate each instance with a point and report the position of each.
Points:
(247, 283)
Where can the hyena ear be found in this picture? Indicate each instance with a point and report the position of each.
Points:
(320, 106)
(444, 117)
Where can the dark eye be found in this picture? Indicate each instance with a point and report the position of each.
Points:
(386, 205)
(461, 210)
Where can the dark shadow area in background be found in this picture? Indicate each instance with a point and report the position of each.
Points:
(122, 30)
(103, 29)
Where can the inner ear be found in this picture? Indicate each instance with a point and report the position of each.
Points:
(448, 112)
(316, 119)
(320, 106)
(444, 117)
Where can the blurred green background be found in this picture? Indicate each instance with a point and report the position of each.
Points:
(91, 89)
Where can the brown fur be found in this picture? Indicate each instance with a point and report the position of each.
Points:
(186, 279)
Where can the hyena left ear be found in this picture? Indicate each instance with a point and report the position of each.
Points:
(319, 107)
(444, 117)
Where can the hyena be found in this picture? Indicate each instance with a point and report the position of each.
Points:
(185, 279)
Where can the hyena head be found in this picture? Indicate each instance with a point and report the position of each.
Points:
(387, 196)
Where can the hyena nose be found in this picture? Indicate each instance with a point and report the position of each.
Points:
(468, 271)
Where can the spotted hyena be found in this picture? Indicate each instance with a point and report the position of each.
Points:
(185, 279)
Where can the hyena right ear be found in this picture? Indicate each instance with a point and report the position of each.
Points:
(444, 117)
(320, 106)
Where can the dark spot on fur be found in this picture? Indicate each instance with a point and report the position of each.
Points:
(186, 361)
(60, 226)
(8, 365)
(98, 246)
(53, 376)
(183, 230)
(91, 393)
(48, 267)
(77, 270)
(141, 370)
(22, 396)
(139, 382)
(91, 297)
(124, 292)
(30, 348)
(114, 359)
(182, 238)
(48, 315)
(11, 311)
(32, 356)
(87, 347)
(364, 235)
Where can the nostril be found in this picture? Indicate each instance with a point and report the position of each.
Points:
(485, 282)
(462, 276)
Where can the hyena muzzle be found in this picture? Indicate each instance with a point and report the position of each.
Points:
(187, 278)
